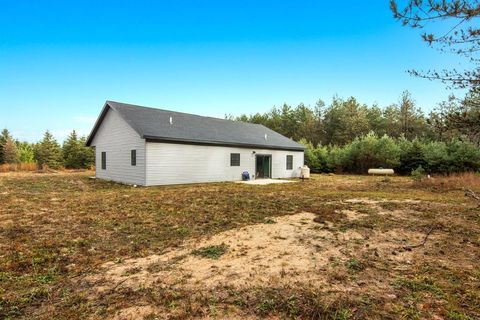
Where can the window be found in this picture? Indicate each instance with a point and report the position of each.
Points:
(133, 157)
(289, 162)
(234, 159)
(104, 160)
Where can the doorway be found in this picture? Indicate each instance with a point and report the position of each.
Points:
(263, 166)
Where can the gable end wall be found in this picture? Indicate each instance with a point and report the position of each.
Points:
(117, 139)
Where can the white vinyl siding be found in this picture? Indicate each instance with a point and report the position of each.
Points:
(169, 163)
(117, 139)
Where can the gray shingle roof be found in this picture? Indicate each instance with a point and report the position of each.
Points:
(154, 124)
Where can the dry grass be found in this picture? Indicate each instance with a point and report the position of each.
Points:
(58, 229)
(452, 181)
(18, 167)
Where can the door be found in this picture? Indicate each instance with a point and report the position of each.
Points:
(263, 166)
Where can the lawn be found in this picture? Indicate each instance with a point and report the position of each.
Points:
(332, 247)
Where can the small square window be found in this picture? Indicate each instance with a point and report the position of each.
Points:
(104, 160)
(289, 162)
(234, 159)
(133, 157)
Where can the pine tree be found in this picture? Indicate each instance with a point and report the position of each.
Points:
(4, 136)
(87, 154)
(48, 152)
(76, 154)
(10, 152)
(71, 152)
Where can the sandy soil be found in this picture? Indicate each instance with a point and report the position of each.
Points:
(288, 250)
(264, 182)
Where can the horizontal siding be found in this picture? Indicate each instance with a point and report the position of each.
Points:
(117, 139)
(169, 163)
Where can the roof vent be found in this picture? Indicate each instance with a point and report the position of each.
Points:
(265, 136)
(171, 120)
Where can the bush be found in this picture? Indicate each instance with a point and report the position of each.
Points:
(369, 151)
(418, 174)
(336, 161)
(436, 157)
(463, 156)
(311, 159)
(317, 159)
(411, 156)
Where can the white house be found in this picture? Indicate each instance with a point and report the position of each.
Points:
(147, 146)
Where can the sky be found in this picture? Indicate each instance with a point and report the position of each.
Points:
(61, 60)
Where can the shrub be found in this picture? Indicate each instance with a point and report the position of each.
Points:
(317, 159)
(336, 161)
(436, 157)
(463, 156)
(411, 156)
(311, 159)
(418, 174)
(369, 151)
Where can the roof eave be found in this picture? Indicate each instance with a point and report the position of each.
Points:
(97, 124)
(220, 143)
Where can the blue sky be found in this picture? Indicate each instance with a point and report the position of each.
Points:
(60, 60)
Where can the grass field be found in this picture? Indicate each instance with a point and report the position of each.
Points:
(333, 247)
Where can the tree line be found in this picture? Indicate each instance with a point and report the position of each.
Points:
(47, 153)
(345, 136)
(348, 136)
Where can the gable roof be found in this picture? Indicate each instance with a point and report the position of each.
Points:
(154, 125)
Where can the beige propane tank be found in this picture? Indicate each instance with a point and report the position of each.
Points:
(380, 171)
(305, 172)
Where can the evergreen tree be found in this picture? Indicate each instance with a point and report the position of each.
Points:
(71, 152)
(25, 152)
(87, 155)
(76, 154)
(10, 152)
(412, 122)
(463, 38)
(4, 136)
(344, 121)
(48, 152)
(411, 156)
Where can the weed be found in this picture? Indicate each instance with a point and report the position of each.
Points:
(455, 315)
(266, 306)
(419, 284)
(46, 278)
(354, 265)
(269, 221)
(211, 252)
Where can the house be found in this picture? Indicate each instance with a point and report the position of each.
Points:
(147, 146)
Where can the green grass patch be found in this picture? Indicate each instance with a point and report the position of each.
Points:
(211, 252)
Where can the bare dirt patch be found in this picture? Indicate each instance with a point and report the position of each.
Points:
(263, 182)
(288, 250)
